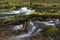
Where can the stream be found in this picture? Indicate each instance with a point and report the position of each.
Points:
(34, 27)
(21, 11)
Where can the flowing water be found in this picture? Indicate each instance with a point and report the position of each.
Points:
(21, 11)
(34, 27)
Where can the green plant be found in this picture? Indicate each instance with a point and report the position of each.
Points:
(50, 30)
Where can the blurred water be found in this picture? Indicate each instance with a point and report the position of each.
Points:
(17, 27)
(21, 11)
(35, 27)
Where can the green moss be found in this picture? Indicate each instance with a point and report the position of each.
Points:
(50, 30)
(33, 16)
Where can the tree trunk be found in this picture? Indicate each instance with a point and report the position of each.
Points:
(30, 3)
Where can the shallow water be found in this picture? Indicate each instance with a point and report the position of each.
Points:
(21, 11)
(34, 27)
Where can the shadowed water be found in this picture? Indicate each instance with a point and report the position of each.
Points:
(35, 28)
